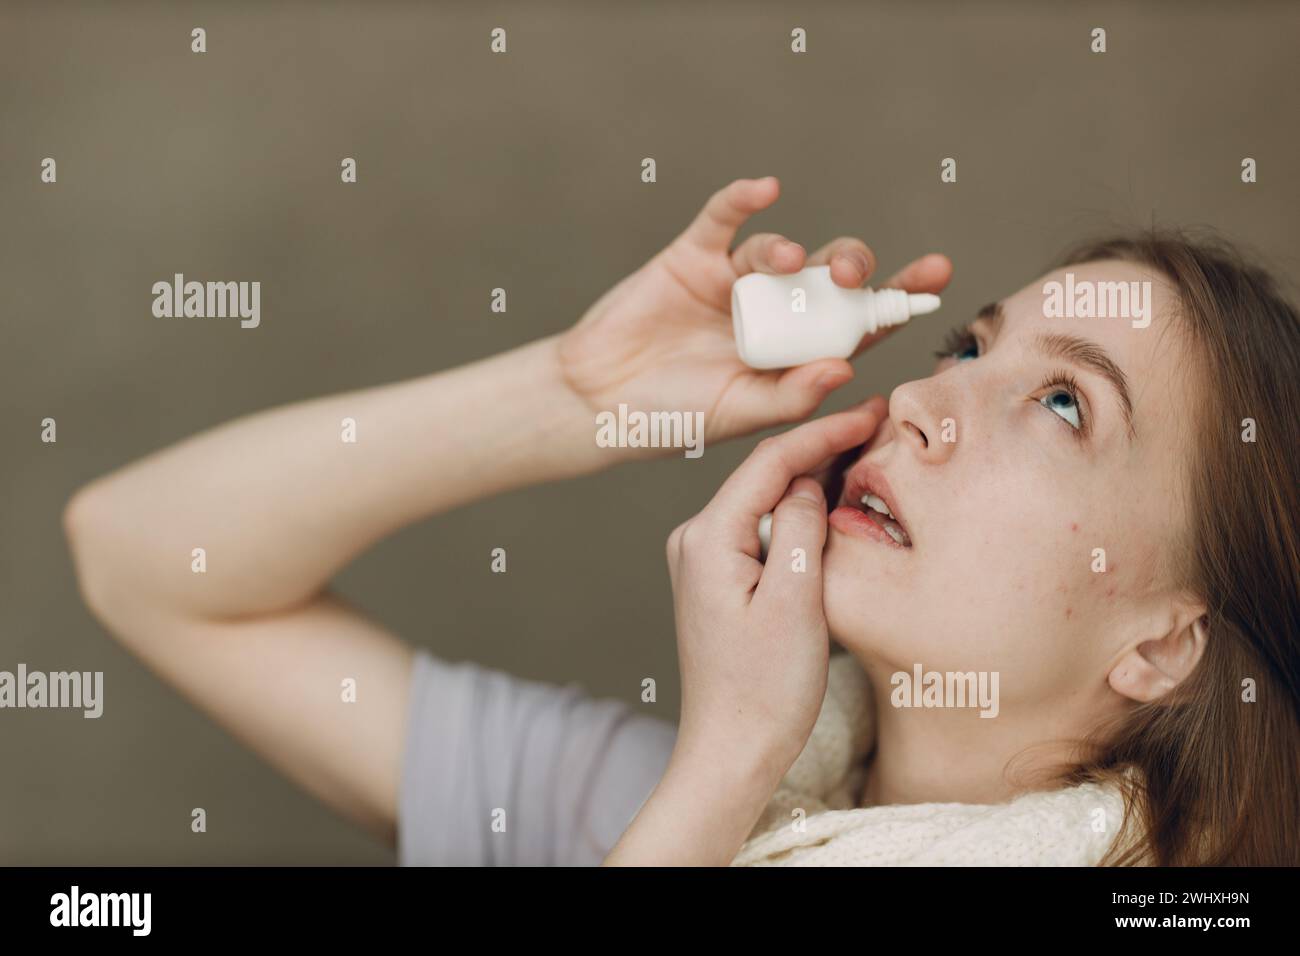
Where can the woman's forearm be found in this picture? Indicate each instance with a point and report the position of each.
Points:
(279, 501)
(701, 811)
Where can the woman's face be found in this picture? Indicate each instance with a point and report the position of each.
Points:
(1010, 481)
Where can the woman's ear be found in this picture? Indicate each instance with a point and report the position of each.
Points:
(1151, 669)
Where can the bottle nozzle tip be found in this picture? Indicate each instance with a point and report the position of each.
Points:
(922, 303)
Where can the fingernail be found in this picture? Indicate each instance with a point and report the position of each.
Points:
(860, 261)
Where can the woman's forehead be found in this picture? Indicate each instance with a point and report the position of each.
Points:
(1128, 312)
(1112, 294)
(1123, 307)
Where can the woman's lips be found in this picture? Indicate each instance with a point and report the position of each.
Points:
(855, 523)
(867, 492)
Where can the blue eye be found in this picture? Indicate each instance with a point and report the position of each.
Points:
(1064, 402)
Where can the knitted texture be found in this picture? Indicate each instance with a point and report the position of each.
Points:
(1072, 826)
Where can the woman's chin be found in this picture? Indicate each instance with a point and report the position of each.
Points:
(858, 615)
(869, 594)
(852, 564)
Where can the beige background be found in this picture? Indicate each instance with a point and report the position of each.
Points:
(519, 171)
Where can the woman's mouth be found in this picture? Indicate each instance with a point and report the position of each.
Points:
(868, 508)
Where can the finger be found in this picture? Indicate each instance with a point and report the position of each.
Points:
(830, 473)
(930, 273)
(762, 478)
(726, 211)
(852, 262)
(799, 522)
(790, 395)
(767, 252)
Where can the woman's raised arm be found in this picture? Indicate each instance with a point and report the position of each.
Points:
(210, 560)
(278, 502)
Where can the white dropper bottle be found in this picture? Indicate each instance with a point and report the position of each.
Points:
(786, 320)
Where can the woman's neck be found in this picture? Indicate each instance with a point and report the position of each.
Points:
(953, 755)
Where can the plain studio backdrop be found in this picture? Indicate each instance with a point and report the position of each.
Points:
(520, 171)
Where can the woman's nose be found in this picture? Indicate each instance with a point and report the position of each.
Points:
(923, 420)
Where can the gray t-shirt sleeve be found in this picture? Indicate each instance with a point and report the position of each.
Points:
(501, 771)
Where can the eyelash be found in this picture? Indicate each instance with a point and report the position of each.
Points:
(1064, 381)
(957, 340)
(962, 339)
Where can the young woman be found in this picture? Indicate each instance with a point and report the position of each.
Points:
(1038, 448)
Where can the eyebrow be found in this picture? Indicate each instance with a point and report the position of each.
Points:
(1078, 351)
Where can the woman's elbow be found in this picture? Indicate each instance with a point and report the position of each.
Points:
(88, 531)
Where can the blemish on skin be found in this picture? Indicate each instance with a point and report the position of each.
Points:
(1110, 591)
(1074, 526)
(1069, 611)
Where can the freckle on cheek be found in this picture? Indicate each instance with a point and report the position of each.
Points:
(1069, 611)
(1074, 526)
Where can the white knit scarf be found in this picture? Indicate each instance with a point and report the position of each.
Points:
(1073, 826)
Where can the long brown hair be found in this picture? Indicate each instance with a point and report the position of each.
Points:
(1218, 779)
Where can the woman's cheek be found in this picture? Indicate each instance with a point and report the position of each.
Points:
(1103, 570)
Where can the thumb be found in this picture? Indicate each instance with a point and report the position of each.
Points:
(792, 395)
(793, 572)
